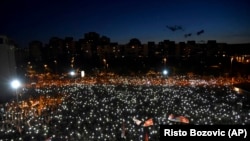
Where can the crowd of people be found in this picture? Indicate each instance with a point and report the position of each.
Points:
(94, 109)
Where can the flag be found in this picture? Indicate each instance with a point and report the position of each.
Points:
(181, 119)
(171, 117)
(138, 122)
(145, 125)
(148, 122)
(184, 119)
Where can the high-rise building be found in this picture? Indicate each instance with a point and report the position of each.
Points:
(7, 69)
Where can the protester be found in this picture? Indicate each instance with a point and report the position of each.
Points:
(107, 109)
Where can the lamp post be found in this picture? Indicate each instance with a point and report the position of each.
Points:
(72, 73)
(104, 61)
(105, 65)
(164, 60)
(55, 66)
(231, 67)
(165, 72)
(15, 84)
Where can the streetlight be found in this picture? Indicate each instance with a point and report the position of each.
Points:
(105, 63)
(82, 73)
(165, 60)
(55, 66)
(165, 72)
(231, 68)
(72, 73)
(15, 84)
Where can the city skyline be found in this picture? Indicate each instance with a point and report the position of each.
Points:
(121, 21)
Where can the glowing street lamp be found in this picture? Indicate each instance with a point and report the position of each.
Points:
(72, 73)
(15, 84)
(105, 63)
(82, 73)
(165, 72)
(231, 68)
(164, 60)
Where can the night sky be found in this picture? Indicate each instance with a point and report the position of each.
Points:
(226, 21)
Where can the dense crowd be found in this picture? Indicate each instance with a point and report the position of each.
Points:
(105, 111)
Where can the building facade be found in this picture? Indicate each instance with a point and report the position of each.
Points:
(8, 67)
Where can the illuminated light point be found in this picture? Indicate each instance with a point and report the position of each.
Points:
(82, 73)
(15, 84)
(165, 72)
(72, 73)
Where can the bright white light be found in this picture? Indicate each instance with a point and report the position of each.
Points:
(165, 72)
(236, 89)
(15, 84)
(72, 73)
(82, 73)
